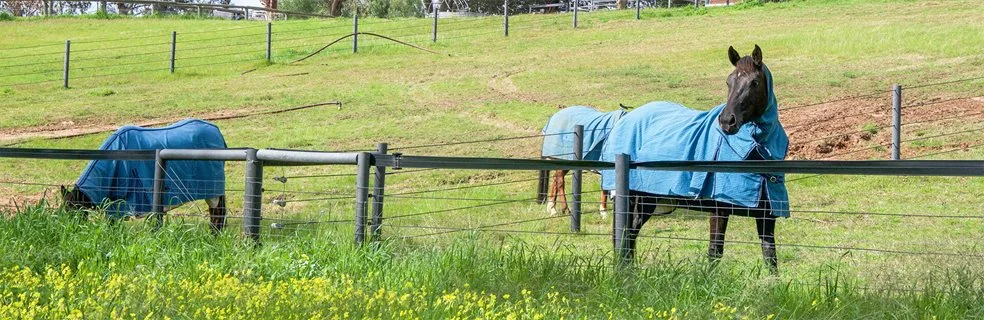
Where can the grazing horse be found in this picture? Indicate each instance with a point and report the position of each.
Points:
(558, 143)
(125, 187)
(746, 127)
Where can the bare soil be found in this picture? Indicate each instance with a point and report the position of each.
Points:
(861, 128)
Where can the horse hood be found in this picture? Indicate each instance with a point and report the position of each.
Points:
(666, 131)
(127, 185)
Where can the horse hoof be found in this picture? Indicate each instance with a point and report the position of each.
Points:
(604, 214)
(552, 208)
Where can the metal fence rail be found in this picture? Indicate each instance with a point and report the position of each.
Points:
(386, 164)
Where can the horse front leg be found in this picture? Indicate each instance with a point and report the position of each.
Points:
(216, 213)
(718, 227)
(766, 231)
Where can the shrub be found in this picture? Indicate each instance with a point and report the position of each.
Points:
(379, 8)
(6, 16)
(304, 6)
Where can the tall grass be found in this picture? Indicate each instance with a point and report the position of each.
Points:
(54, 264)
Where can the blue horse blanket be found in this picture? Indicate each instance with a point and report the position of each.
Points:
(558, 140)
(666, 131)
(125, 187)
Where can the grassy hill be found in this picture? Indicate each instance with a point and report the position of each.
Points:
(483, 85)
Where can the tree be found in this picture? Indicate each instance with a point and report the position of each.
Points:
(23, 8)
(335, 7)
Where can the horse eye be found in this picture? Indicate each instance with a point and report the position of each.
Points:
(755, 83)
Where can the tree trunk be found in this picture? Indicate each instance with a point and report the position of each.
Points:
(336, 8)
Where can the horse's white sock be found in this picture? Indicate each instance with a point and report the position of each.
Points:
(552, 208)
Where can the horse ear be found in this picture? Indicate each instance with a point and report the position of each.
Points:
(733, 55)
(757, 56)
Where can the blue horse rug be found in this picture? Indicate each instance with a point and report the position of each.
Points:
(558, 140)
(666, 131)
(126, 187)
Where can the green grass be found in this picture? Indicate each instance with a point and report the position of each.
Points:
(488, 86)
(180, 271)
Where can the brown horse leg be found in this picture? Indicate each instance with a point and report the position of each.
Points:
(718, 227)
(551, 198)
(603, 208)
(217, 213)
(766, 231)
(561, 192)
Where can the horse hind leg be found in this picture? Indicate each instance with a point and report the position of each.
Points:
(551, 198)
(564, 209)
(216, 213)
(603, 207)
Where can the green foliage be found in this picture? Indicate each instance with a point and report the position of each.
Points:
(406, 8)
(379, 8)
(305, 6)
(6, 16)
(870, 128)
(102, 92)
(748, 4)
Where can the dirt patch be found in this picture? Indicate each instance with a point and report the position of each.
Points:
(861, 128)
(504, 86)
(12, 202)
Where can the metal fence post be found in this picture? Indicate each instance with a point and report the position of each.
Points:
(638, 9)
(896, 122)
(575, 12)
(68, 53)
(576, 181)
(355, 29)
(542, 185)
(174, 40)
(157, 197)
(269, 47)
(379, 187)
(505, 15)
(253, 199)
(361, 196)
(437, 6)
(621, 208)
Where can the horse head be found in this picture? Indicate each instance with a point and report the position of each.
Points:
(748, 91)
(75, 199)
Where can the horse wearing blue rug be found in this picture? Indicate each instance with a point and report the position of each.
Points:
(124, 188)
(559, 141)
(746, 127)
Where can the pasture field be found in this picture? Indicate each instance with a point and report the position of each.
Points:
(502, 256)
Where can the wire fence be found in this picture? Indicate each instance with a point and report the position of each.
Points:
(495, 204)
(492, 203)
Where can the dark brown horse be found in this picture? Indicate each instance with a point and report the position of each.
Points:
(750, 97)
